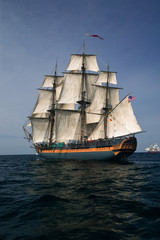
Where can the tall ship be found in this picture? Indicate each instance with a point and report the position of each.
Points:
(153, 148)
(80, 116)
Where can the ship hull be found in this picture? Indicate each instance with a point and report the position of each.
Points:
(124, 149)
(80, 155)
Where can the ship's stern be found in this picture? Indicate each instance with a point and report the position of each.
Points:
(126, 148)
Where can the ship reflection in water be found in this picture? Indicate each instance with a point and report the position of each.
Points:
(42, 199)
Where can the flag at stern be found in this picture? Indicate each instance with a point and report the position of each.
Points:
(131, 98)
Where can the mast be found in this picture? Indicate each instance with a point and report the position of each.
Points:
(83, 102)
(107, 106)
(83, 96)
(52, 110)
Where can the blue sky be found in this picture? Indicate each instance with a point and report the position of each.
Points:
(33, 33)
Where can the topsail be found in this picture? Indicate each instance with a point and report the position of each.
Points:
(76, 62)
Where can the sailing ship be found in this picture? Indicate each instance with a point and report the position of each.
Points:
(79, 115)
(153, 148)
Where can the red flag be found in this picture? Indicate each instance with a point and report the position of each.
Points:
(94, 36)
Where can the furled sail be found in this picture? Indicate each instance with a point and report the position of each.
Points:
(77, 60)
(68, 106)
(122, 120)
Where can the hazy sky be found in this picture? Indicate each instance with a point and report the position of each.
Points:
(33, 33)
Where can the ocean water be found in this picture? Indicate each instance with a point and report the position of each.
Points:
(75, 200)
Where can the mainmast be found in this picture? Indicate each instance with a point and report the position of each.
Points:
(52, 110)
(108, 106)
(83, 102)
